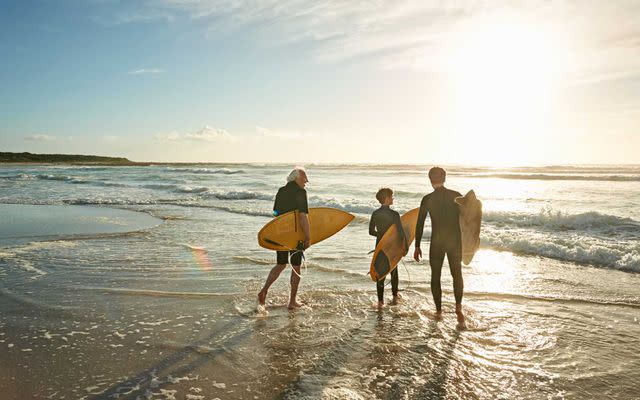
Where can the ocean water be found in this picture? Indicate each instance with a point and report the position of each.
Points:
(168, 310)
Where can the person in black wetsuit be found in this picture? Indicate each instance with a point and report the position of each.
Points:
(445, 238)
(290, 197)
(381, 220)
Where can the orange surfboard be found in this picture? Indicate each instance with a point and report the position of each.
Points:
(391, 249)
(284, 233)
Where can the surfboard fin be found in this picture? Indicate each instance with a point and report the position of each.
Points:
(272, 242)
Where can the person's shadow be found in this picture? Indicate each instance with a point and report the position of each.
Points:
(411, 363)
(327, 367)
(436, 385)
(137, 385)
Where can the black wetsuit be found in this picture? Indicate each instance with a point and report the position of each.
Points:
(381, 220)
(445, 239)
(290, 197)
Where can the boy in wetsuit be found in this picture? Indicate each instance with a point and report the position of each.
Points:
(381, 220)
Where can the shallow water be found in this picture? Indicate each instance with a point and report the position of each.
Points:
(171, 311)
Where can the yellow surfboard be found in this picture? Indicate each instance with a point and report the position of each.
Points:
(470, 220)
(390, 250)
(284, 233)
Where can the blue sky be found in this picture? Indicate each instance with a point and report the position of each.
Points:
(299, 81)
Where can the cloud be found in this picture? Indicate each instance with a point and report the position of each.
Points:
(268, 133)
(604, 36)
(209, 134)
(40, 138)
(145, 71)
(206, 134)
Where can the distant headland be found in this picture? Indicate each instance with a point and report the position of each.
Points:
(30, 158)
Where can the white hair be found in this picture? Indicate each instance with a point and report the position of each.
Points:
(293, 175)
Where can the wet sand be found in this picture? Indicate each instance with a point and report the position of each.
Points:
(23, 223)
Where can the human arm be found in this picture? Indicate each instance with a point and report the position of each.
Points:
(372, 226)
(303, 209)
(276, 205)
(422, 216)
(402, 236)
(305, 227)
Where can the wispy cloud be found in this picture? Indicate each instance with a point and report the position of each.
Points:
(206, 134)
(40, 138)
(605, 36)
(269, 133)
(145, 71)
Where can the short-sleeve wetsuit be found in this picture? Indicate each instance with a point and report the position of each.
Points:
(381, 220)
(445, 239)
(290, 197)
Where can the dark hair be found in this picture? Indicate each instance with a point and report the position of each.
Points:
(383, 194)
(437, 175)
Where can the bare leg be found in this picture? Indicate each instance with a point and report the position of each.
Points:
(455, 266)
(394, 287)
(273, 275)
(295, 281)
(459, 313)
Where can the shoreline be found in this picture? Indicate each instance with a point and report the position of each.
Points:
(25, 223)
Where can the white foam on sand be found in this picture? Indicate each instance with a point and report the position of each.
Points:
(23, 264)
(49, 336)
(160, 293)
(172, 379)
(168, 394)
(157, 323)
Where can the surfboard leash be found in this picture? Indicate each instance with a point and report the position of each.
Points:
(407, 271)
(303, 264)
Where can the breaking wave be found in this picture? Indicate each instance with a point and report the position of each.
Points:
(557, 220)
(618, 255)
(223, 171)
(556, 177)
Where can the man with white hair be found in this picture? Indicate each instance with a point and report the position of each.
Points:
(290, 197)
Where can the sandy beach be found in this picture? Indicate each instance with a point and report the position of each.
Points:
(149, 291)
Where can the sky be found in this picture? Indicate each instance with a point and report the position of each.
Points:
(298, 81)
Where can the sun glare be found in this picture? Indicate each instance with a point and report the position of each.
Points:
(503, 74)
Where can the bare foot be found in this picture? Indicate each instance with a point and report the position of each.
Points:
(438, 316)
(262, 298)
(460, 315)
(294, 304)
(395, 300)
(380, 305)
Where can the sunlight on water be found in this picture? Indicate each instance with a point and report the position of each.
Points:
(548, 312)
(496, 272)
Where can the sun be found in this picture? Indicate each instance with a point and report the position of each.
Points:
(503, 73)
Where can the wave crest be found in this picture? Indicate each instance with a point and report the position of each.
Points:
(557, 220)
(556, 177)
(223, 171)
(615, 255)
